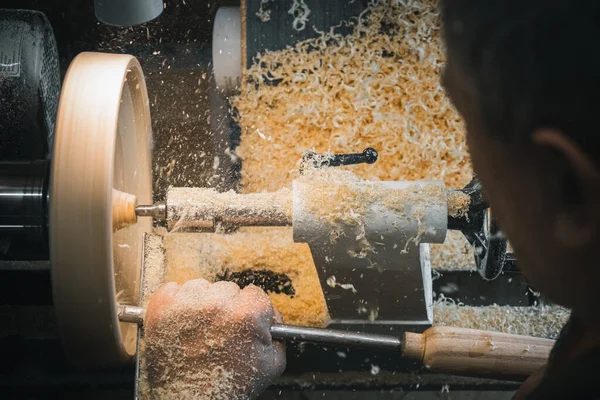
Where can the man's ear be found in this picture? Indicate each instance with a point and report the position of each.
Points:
(578, 214)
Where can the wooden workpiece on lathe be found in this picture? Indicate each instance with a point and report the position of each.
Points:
(123, 209)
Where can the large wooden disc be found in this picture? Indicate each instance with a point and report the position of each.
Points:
(102, 142)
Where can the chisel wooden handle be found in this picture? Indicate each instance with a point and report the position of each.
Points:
(478, 353)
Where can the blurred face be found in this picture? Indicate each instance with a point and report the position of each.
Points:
(515, 181)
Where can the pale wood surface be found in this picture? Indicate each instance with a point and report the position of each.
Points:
(102, 142)
(471, 352)
(123, 210)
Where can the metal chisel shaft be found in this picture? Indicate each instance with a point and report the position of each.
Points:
(331, 337)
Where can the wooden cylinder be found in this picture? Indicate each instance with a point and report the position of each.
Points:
(471, 352)
(123, 209)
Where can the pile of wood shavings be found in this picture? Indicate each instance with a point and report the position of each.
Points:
(377, 87)
(207, 255)
(540, 321)
(458, 204)
(455, 254)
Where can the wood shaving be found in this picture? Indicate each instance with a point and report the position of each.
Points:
(262, 14)
(154, 266)
(207, 255)
(300, 12)
(458, 204)
(377, 87)
(455, 254)
(332, 282)
(540, 321)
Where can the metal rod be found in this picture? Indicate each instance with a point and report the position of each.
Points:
(24, 210)
(130, 314)
(331, 337)
(156, 210)
(314, 160)
(335, 337)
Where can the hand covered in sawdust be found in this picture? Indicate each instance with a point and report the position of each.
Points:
(211, 341)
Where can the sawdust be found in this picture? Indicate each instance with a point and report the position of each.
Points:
(337, 196)
(154, 266)
(455, 254)
(540, 321)
(188, 388)
(376, 87)
(345, 203)
(208, 255)
(153, 277)
(205, 208)
(458, 204)
(193, 344)
(340, 196)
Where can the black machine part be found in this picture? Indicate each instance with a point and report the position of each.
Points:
(311, 159)
(483, 232)
(23, 210)
(29, 85)
(127, 13)
(29, 92)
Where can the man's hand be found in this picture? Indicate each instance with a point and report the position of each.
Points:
(211, 341)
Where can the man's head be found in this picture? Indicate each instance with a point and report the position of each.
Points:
(525, 75)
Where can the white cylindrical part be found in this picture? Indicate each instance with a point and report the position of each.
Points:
(227, 50)
(392, 216)
(421, 216)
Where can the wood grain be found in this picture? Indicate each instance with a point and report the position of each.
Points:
(471, 352)
(102, 143)
(123, 210)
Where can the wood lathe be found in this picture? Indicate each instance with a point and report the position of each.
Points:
(84, 201)
(103, 114)
(380, 235)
